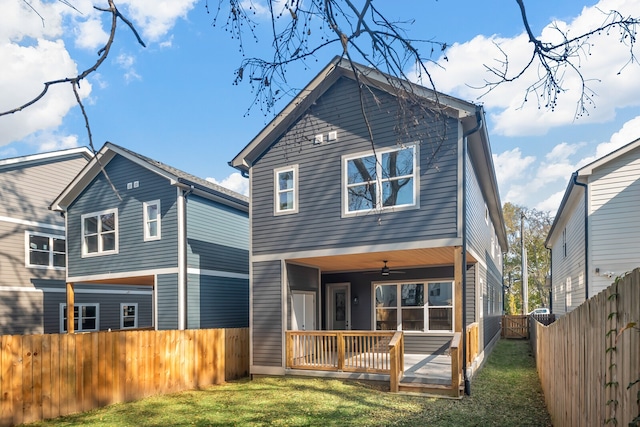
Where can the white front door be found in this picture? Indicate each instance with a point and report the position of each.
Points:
(339, 306)
(303, 317)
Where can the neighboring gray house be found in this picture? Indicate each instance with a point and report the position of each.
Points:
(32, 242)
(594, 236)
(332, 219)
(183, 239)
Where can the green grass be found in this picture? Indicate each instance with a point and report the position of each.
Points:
(506, 392)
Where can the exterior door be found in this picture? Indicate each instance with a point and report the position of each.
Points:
(339, 306)
(303, 316)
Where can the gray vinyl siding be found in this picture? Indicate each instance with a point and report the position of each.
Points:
(491, 304)
(134, 253)
(109, 298)
(13, 269)
(267, 314)
(217, 302)
(167, 300)
(29, 188)
(480, 234)
(217, 236)
(319, 223)
(470, 295)
(420, 344)
(21, 312)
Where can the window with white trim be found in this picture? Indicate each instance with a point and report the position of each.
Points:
(128, 315)
(286, 190)
(100, 233)
(86, 317)
(414, 306)
(387, 179)
(152, 224)
(44, 250)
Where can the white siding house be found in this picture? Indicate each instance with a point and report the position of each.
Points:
(596, 233)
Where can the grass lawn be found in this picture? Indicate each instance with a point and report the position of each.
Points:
(506, 392)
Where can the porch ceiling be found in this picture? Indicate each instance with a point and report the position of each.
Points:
(407, 258)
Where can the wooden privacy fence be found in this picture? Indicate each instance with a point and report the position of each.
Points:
(46, 376)
(515, 326)
(586, 364)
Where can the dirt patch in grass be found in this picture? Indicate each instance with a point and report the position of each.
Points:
(506, 392)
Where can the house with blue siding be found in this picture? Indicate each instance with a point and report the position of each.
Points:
(374, 207)
(132, 221)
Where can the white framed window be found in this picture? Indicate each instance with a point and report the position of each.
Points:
(385, 180)
(100, 233)
(44, 251)
(286, 190)
(416, 306)
(486, 214)
(86, 317)
(128, 315)
(152, 223)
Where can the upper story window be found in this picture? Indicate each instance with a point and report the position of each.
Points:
(151, 220)
(44, 250)
(385, 180)
(415, 306)
(564, 242)
(100, 233)
(286, 190)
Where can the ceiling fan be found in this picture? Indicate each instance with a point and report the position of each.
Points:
(385, 271)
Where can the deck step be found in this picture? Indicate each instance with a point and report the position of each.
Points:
(428, 389)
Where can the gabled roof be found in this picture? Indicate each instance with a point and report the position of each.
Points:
(470, 115)
(339, 67)
(581, 175)
(175, 176)
(51, 156)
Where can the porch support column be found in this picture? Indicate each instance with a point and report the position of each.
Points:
(458, 272)
(70, 303)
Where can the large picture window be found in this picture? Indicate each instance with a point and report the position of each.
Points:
(44, 251)
(414, 306)
(152, 223)
(384, 180)
(100, 233)
(86, 317)
(286, 190)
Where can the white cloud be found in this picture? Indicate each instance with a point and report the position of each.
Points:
(90, 34)
(464, 75)
(551, 203)
(154, 18)
(51, 141)
(25, 70)
(234, 182)
(510, 165)
(127, 62)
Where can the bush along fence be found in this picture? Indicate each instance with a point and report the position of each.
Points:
(46, 376)
(589, 360)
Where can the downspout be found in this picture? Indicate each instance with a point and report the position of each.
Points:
(467, 382)
(550, 280)
(586, 233)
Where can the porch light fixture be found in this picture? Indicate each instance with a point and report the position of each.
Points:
(356, 301)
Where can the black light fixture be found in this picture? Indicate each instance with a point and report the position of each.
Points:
(385, 269)
(356, 301)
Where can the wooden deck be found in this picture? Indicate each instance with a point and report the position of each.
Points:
(374, 355)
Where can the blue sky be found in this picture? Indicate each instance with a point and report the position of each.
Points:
(175, 101)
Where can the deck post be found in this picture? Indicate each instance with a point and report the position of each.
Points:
(458, 272)
(340, 339)
(70, 304)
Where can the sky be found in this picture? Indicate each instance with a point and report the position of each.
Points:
(175, 99)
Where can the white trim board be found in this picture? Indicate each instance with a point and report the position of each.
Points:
(77, 291)
(217, 273)
(32, 223)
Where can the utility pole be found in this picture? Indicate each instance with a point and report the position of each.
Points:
(524, 275)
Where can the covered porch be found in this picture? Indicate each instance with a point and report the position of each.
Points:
(381, 321)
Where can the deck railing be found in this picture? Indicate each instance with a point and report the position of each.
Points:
(379, 352)
(456, 362)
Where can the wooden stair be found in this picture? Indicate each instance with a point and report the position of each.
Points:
(430, 389)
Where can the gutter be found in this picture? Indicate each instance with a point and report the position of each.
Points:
(574, 177)
(479, 122)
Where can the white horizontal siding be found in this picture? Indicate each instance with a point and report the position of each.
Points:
(614, 219)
